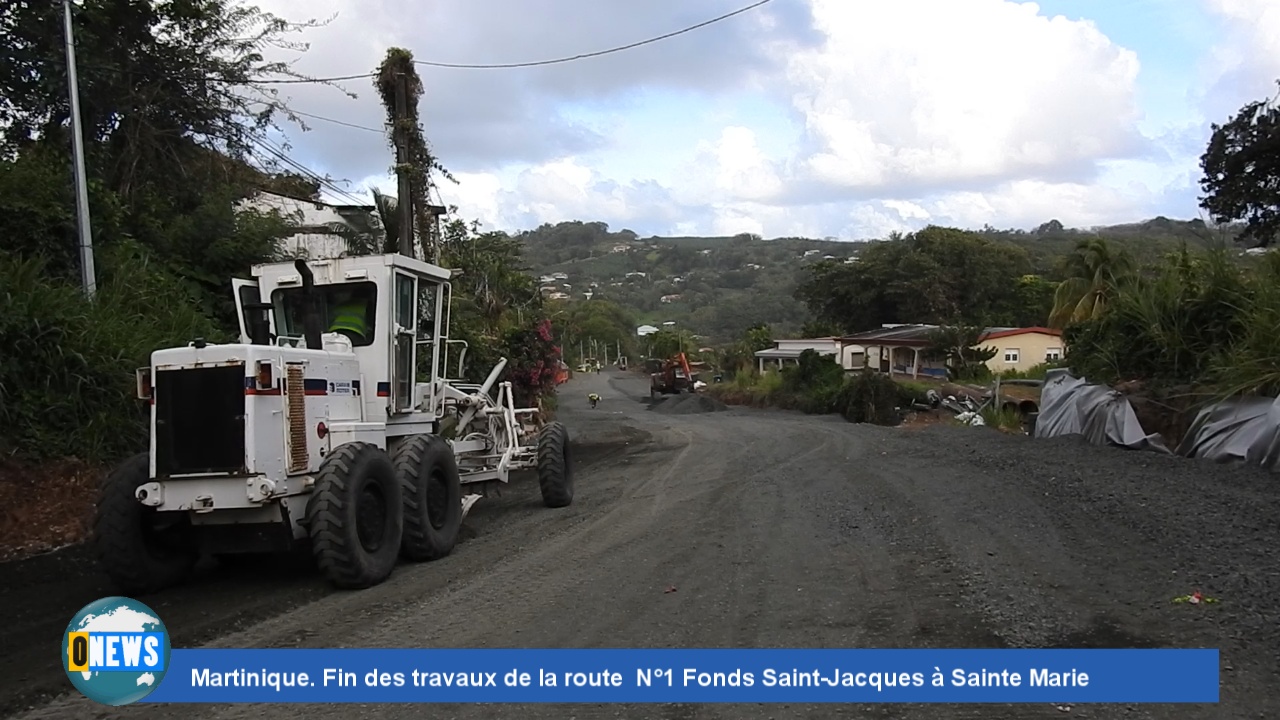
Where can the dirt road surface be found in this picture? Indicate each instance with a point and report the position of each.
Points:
(777, 530)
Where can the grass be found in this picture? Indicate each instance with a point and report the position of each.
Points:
(1005, 419)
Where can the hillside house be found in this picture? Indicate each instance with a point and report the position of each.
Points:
(669, 299)
(1021, 349)
(314, 221)
(900, 349)
(786, 352)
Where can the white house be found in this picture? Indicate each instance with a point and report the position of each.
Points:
(849, 356)
(312, 220)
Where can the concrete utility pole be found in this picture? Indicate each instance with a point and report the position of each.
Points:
(77, 137)
(402, 158)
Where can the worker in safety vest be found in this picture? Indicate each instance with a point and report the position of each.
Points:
(349, 318)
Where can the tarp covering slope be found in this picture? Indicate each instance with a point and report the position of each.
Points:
(1240, 430)
(1071, 406)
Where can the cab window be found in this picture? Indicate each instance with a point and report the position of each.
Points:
(289, 306)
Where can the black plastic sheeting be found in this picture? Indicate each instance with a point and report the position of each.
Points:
(1071, 406)
(1240, 430)
(1245, 430)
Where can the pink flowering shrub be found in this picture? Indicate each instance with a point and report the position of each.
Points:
(532, 361)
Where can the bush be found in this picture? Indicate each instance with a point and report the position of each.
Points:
(67, 383)
(1176, 325)
(870, 397)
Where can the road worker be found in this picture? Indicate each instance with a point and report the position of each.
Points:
(594, 398)
(349, 317)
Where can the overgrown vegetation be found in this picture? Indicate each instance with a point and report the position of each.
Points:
(177, 102)
(818, 385)
(1195, 320)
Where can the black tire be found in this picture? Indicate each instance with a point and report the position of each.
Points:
(555, 466)
(138, 553)
(432, 489)
(356, 516)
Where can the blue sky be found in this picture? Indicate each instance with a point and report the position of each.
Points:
(827, 118)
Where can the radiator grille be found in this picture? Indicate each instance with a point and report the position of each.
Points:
(200, 420)
(296, 417)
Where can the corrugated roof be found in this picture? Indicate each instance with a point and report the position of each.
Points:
(919, 334)
(789, 354)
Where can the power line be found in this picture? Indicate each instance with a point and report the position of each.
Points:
(534, 63)
(307, 172)
(380, 131)
(597, 53)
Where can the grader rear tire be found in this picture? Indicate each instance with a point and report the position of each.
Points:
(555, 466)
(356, 516)
(428, 475)
(138, 556)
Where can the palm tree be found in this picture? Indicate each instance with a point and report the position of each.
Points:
(1093, 271)
(371, 235)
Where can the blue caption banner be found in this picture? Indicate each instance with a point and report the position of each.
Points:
(690, 676)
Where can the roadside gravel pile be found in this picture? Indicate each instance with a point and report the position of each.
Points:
(688, 404)
(1170, 526)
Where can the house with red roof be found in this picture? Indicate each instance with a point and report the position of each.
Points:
(900, 349)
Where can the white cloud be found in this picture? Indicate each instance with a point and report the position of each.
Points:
(1245, 62)
(937, 93)
(903, 113)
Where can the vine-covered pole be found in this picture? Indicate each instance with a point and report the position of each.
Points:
(400, 88)
(402, 164)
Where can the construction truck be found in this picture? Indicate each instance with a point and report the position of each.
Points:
(331, 424)
(670, 377)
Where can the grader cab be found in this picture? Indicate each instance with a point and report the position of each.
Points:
(330, 424)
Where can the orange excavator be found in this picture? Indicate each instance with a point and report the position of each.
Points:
(670, 377)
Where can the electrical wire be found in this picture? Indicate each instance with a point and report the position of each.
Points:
(533, 63)
(598, 53)
(306, 172)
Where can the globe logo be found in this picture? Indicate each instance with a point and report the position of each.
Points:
(116, 651)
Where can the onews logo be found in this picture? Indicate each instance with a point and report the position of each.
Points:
(115, 651)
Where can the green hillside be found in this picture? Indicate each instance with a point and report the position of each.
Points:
(719, 286)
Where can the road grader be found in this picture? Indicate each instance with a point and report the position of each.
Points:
(355, 445)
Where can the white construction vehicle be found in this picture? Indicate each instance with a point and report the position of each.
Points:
(297, 435)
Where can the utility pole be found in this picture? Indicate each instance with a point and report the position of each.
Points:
(77, 137)
(402, 159)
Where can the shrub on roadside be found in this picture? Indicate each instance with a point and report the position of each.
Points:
(870, 397)
(67, 384)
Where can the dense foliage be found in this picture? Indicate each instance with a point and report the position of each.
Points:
(1194, 319)
(1242, 172)
(177, 101)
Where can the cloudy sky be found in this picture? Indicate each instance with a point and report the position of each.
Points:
(824, 118)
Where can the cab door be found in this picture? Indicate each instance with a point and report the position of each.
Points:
(404, 346)
(247, 294)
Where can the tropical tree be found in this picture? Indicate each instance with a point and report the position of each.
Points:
(375, 234)
(1093, 273)
(1242, 172)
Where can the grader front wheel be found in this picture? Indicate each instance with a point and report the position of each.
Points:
(555, 466)
(356, 516)
(428, 474)
(140, 552)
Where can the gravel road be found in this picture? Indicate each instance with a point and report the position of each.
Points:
(777, 529)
